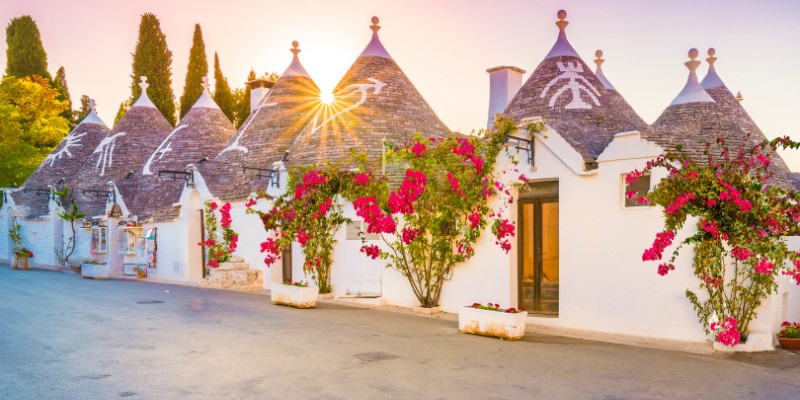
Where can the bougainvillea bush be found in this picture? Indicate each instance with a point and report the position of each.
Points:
(431, 222)
(311, 213)
(219, 251)
(743, 214)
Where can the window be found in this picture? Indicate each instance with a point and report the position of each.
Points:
(127, 241)
(99, 239)
(641, 187)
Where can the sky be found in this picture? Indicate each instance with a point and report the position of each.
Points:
(444, 46)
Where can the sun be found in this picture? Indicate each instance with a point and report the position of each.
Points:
(326, 98)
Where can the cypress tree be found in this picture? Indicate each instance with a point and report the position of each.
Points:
(197, 69)
(123, 108)
(60, 84)
(243, 101)
(82, 112)
(25, 55)
(153, 59)
(222, 91)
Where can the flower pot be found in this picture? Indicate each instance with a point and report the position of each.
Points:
(510, 326)
(21, 263)
(790, 343)
(294, 296)
(95, 271)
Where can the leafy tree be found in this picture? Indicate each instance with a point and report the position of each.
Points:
(31, 125)
(82, 112)
(742, 220)
(123, 108)
(153, 59)
(60, 84)
(197, 69)
(25, 53)
(223, 95)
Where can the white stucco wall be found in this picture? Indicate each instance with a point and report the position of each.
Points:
(5, 217)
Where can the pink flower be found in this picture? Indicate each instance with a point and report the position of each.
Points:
(372, 251)
(474, 219)
(664, 269)
(741, 253)
(727, 332)
(523, 178)
(711, 202)
(302, 237)
(213, 206)
(765, 267)
(454, 184)
(655, 252)
(250, 203)
(409, 235)
(234, 243)
(361, 179)
(418, 149)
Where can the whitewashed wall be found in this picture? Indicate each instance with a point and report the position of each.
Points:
(5, 242)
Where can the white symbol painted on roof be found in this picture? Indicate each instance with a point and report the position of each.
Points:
(576, 84)
(163, 149)
(72, 140)
(358, 88)
(106, 150)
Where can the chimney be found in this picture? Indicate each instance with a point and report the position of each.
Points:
(504, 82)
(259, 88)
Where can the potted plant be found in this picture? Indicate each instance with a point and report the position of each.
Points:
(294, 294)
(21, 257)
(789, 336)
(95, 269)
(491, 320)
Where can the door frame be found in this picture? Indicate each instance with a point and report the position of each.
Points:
(534, 192)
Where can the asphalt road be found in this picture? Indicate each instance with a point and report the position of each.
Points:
(63, 337)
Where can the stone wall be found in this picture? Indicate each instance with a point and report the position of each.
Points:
(234, 274)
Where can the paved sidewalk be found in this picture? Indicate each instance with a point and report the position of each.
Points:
(63, 337)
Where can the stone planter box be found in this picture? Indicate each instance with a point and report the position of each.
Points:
(756, 341)
(236, 275)
(294, 296)
(509, 326)
(95, 271)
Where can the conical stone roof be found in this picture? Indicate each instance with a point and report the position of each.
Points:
(573, 101)
(120, 154)
(266, 135)
(374, 101)
(60, 167)
(693, 124)
(199, 136)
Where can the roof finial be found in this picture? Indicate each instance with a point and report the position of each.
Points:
(599, 71)
(205, 84)
(692, 92)
(739, 96)
(562, 46)
(374, 47)
(712, 80)
(295, 68)
(561, 23)
(599, 60)
(375, 27)
(711, 59)
(692, 64)
(93, 106)
(143, 83)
